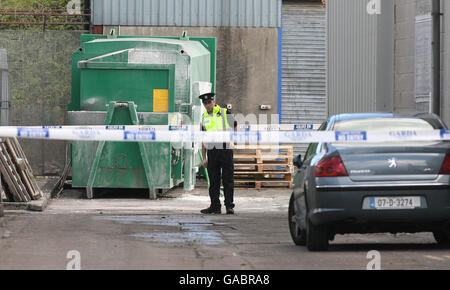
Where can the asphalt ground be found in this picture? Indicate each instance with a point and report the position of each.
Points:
(125, 230)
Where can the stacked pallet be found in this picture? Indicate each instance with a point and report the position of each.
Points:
(18, 182)
(263, 166)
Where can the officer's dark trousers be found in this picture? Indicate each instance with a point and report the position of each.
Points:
(221, 166)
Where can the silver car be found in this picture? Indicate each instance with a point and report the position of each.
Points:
(393, 187)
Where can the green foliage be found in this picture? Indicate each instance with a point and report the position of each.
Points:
(38, 5)
(33, 4)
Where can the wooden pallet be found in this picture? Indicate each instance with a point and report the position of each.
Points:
(17, 176)
(260, 154)
(263, 166)
(10, 174)
(262, 184)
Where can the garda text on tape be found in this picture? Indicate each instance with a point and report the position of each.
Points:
(184, 134)
(258, 127)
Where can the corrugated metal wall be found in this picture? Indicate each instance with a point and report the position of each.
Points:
(304, 65)
(360, 57)
(238, 13)
(352, 45)
(423, 63)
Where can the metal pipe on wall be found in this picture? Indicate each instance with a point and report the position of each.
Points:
(436, 56)
(87, 9)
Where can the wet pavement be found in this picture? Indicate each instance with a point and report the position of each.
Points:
(127, 231)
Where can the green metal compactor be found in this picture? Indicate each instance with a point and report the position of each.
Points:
(125, 80)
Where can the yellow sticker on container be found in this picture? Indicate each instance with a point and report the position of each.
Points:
(160, 100)
(173, 120)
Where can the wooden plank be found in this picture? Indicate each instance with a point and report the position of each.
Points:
(262, 172)
(17, 196)
(12, 191)
(21, 169)
(275, 156)
(28, 169)
(280, 181)
(266, 162)
(262, 167)
(7, 174)
(259, 180)
(261, 151)
(261, 184)
(14, 174)
(264, 147)
(37, 193)
(3, 194)
(261, 156)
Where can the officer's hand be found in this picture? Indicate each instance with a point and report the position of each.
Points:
(205, 164)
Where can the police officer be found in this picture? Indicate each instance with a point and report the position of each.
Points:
(219, 160)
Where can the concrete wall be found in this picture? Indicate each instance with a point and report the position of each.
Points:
(405, 62)
(404, 55)
(247, 63)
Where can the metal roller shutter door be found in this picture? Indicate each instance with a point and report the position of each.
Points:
(303, 98)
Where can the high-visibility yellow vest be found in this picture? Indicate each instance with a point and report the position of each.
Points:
(217, 121)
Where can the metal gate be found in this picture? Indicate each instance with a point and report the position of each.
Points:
(303, 99)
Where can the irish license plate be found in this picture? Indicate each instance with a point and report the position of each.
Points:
(398, 202)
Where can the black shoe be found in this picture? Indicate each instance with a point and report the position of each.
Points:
(211, 210)
(230, 210)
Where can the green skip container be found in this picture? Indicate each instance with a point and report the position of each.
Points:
(127, 80)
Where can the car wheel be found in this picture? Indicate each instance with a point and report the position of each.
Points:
(441, 237)
(298, 235)
(316, 236)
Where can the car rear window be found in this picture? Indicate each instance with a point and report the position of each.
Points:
(386, 124)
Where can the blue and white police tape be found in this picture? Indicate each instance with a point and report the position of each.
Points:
(257, 127)
(138, 134)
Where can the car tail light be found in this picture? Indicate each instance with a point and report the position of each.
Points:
(445, 169)
(330, 167)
